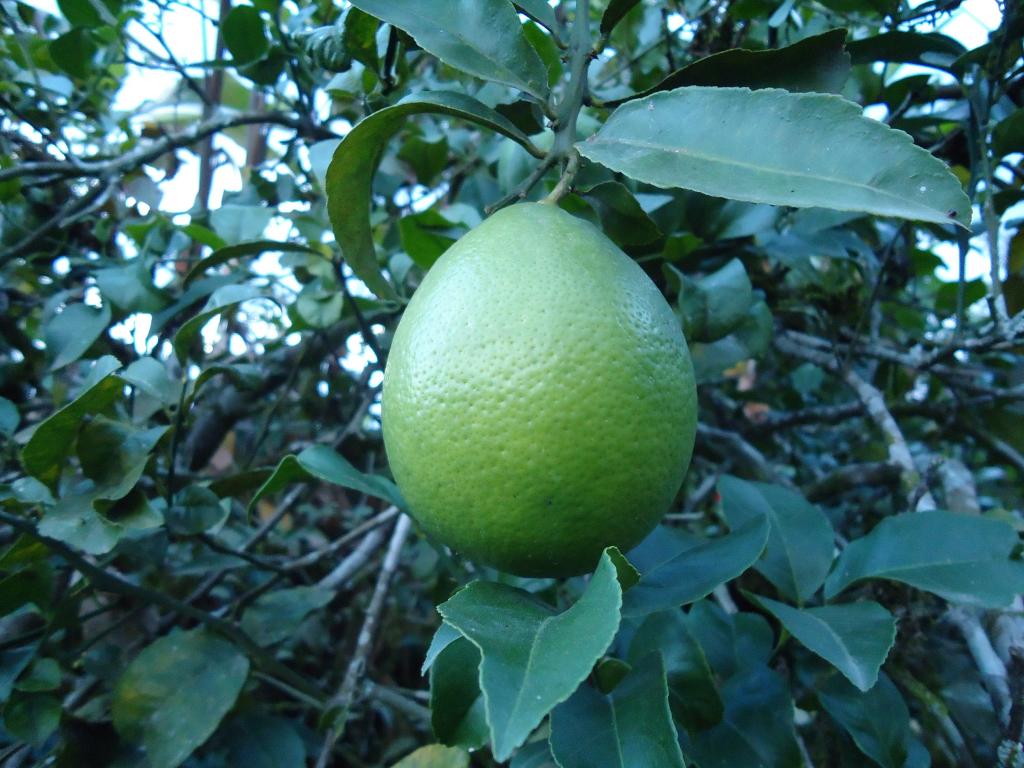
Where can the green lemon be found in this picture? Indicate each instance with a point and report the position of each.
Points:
(539, 401)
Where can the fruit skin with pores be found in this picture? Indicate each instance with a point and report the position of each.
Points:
(539, 401)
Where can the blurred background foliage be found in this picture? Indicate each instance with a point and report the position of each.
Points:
(176, 322)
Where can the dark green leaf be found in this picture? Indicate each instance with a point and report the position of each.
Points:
(855, 637)
(44, 675)
(245, 34)
(12, 664)
(350, 174)
(359, 36)
(801, 542)
(457, 714)
(149, 375)
(75, 521)
(240, 223)
(318, 462)
(630, 727)
(877, 720)
(695, 572)
(692, 693)
(622, 218)
(276, 615)
(53, 439)
(757, 729)
(70, 334)
(962, 558)
(130, 287)
(241, 250)
(73, 52)
(614, 13)
(772, 146)
(9, 417)
(223, 299)
(539, 11)
(196, 509)
(816, 63)
(533, 658)
(537, 754)
(1008, 135)
(933, 49)
(175, 692)
(445, 635)
(32, 717)
(732, 642)
(261, 741)
(484, 38)
(113, 455)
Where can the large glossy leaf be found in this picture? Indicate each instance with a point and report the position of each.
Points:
(614, 13)
(53, 439)
(275, 616)
(482, 37)
(174, 694)
(318, 462)
(533, 658)
(696, 571)
(350, 173)
(935, 50)
(632, 726)
(731, 641)
(877, 720)
(539, 11)
(261, 741)
(245, 34)
(435, 756)
(855, 638)
(816, 63)
(772, 146)
(963, 558)
(800, 545)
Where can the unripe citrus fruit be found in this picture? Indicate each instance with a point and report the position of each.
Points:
(539, 400)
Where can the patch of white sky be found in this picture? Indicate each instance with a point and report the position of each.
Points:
(187, 28)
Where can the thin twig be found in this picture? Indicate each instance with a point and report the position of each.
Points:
(342, 701)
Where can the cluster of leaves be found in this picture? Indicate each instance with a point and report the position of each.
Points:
(203, 560)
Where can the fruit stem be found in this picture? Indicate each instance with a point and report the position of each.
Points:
(565, 182)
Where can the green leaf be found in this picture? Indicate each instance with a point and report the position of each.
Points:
(426, 236)
(350, 174)
(245, 34)
(318, 462)
(614, 13)
(934, 50)
(757, 729)
(318, 306)
(816, 63)
(195, 509)
(75, 521)
(692, 692)
(800, 545)
(9, 417)
(445, 635)
(73, 52)
(622, 218)
(630, 727)
(44, 675)
(276, 615)
(359, 36)
(223, 299)
(457, 714)
(732, 642)
(43, 455)
(539, 11)
(113, 455)
(716, 304)
(1008, 135)
(533, 658)
(855, 637)
(241, 250)
(772, 146)
(536, 754)
(484, 38)
(130, 287)
(751, 338)
(175, 693)
(12, 664)
(962, 558)
(32, 717)
(260, 741)
(696, 571)
(435, 756)
(149, 375)
(240, 223)
(877, 720)
(70, 334)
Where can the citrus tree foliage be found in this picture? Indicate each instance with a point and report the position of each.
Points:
(203, 558)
